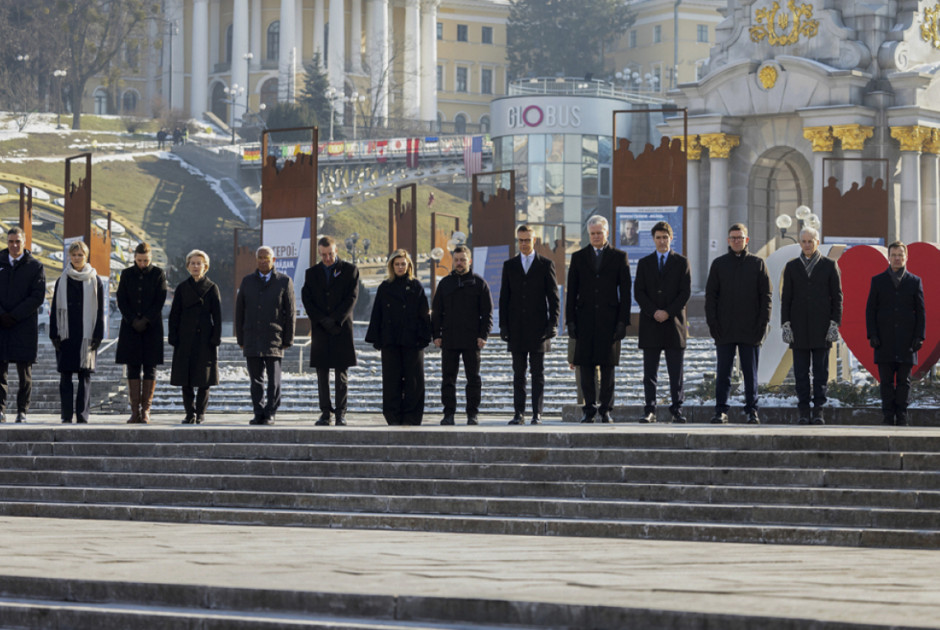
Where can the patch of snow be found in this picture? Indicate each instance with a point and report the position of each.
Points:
(213, 183)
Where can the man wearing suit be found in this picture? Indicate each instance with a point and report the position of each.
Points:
(896, 324)
(663, 287)
(264, 328)
(329, 297)
(737, 310)
(528, 320)
(811, 312)
(597, 311)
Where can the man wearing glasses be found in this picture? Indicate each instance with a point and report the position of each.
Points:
(737, 310)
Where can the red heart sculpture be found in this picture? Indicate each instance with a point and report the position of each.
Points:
(923, 260)
(858, 264)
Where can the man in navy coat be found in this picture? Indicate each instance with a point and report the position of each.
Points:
(528, 319)
(896, 326)
(662, 289)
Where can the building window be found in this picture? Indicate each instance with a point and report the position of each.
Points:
(700, 69)
(228, 44)
(460, 124)
(131, 54)
(440, 31)
(462, 32)
(484, 124)
(101, 102)
(461, 80)
(702, 31)
(129, 102)
(274, 41)
(486, 81)
(440, 78)
(269, 92)
(657, 34)
(632, 39)
(486, 35)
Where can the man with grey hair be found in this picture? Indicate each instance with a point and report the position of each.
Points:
(264, 328)
(597, 312)
(811, 312)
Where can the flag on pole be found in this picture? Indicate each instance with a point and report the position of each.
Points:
(473, 155)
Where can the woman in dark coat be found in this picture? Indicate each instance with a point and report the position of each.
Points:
(195, 332)
(401, 328)
(76, 328)
(141, 295)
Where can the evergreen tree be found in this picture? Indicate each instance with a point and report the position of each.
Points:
(313, 95)
(563, 37)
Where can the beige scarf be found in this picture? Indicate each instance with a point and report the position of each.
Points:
(89, 279)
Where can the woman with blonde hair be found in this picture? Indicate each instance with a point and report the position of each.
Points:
(76, 328)
(400, 327)
(195, 332)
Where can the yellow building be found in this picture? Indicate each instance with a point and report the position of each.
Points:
(668, 44)
(415, 60)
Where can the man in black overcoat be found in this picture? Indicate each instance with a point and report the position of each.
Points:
(461, 319)
(22, 291)
(597, 311)
(811, 312)
(662, 290)
(331, 288)
(264, 328)
(896, 324)
(737, 311)
(528, 320)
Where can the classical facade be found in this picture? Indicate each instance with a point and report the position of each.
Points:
(421, 60)
(800, 100)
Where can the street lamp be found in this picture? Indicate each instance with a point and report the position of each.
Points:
(59, 74)
(247, 57)
(356, 99)
(330, 95)
(351, 241)
(233, 93)
(804, 218)
(456, 238)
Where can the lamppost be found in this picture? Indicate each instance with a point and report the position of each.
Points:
(247, 57)
(331, 95)
(356, 99)
(233, 93)
(652, 81)
(59, 74)
(456, 238)
(354, 251)
(804, 218)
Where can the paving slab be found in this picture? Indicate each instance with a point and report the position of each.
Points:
(871, 587)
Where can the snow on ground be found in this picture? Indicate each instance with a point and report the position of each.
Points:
(214, 184)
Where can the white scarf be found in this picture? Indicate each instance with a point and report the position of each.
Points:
(89, 279)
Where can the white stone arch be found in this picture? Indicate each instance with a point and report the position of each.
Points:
(130, 101)
(466, 120)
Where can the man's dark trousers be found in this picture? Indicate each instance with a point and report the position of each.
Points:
(674, 361)
(894, 395)
(257, 368)
(341, 376)
(749, 356)
(450, 364)
(588, 388)
(24, 370)
(819, 357)
(536, 363)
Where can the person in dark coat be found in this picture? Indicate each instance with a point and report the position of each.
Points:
(22, 292)
(461, 319)
(528, 320)
(662, 289)
(331, 288)
(195, 332)
(400, 327)
(597, 311)
(896, 323)
(76, 329)
(737, 311)
(811, 313)
(264, 327)
(141, 295)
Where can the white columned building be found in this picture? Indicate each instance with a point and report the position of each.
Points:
(336, 66)
(286, 70)
(254, 40)
(412, 92)
(199, 86)
(429, 59)
(355, 37)
(319, 23)
(239, 49)
(378, 57)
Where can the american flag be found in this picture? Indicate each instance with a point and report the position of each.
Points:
(473, 155)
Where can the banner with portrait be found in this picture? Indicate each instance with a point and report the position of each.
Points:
(632, 231)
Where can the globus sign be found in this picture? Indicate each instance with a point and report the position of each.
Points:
(521, 115)
(551, 115)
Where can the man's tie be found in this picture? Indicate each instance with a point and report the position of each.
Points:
(662, 262)
(597, 259)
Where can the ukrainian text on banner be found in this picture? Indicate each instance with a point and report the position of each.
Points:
(488, 264)
(290, 240)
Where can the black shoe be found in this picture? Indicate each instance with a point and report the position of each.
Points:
(448, 419)
(340, 421)
(803, 420)
(818, 420)
(200, 419)
(21, 416)
(66, 421)
(472, 421)
(260, 420)
(900, 419)
(888, 419)
(324, 421)
(536, 419)
(605, 417)
(587, 419)
(720, 418)
(80, 421)
(189, 420)
(517, 419)
(752, 418)
(678, 418)
(649, 418)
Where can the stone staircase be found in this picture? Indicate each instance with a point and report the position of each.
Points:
(879, 489)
